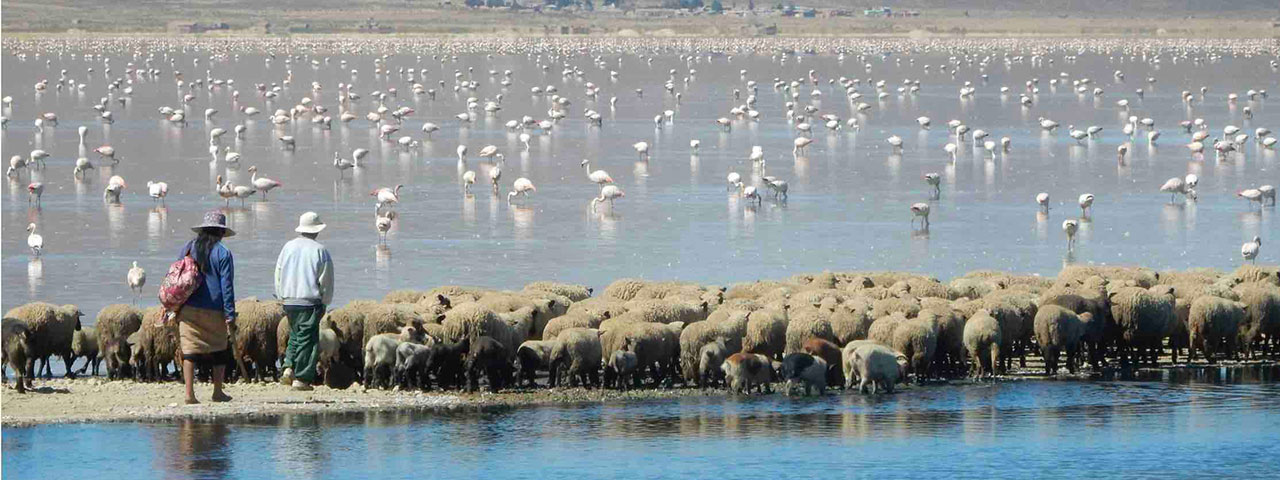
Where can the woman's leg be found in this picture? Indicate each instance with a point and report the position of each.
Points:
(219, 372)
(188, 377)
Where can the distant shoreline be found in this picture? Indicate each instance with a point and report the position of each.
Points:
(27, 19)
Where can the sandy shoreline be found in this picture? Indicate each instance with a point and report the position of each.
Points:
(96, 400)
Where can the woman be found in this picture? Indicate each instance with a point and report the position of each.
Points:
(206, 318)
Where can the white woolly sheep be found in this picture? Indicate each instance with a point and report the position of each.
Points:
(1214, 325)
(918, 340)
(982, 341)
(878, 366)
(766, 334)
(1142, 318)
(380, 360)
(623, 363)
(1056, 330)
(575, 293)
(52, 328)
(579, 352)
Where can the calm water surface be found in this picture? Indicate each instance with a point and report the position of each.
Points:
(848, 200)
(1211, 423)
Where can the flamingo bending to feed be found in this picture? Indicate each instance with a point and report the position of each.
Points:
(34, 241)
(610, 193)
(383, 224)
(1043, 199)
(921, 211)
(642, 148)
(262, 184)
(1070, 227)
(386, 195)
(468, 179)
(82, 165)
(522, 186)
(748, 192)
(157, 190)
(1086, 201)
(935, 181)
(1252, 195)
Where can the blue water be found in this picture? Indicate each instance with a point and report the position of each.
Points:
(1205, 423)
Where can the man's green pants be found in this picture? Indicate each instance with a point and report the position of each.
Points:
(304, 340)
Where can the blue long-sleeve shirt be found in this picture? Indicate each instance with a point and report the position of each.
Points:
(216, 291)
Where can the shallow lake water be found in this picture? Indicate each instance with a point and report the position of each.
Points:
(849, 194)
(1208, 423)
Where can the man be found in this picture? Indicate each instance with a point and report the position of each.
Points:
(304, 282)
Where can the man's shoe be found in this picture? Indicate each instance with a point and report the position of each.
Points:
(301, 386)
(286, 377)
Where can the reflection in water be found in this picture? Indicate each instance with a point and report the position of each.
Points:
(522, 216)
(1133, 423)
(35, 275)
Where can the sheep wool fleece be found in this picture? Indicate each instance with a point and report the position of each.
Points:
(304, 340)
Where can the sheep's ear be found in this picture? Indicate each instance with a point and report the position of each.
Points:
(607, 315)
(440, 318)
(444, 301)
(704, 305)
(590, 291)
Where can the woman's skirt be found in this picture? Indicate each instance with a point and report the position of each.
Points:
(203, 334)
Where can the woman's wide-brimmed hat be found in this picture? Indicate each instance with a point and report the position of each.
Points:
(215, 219)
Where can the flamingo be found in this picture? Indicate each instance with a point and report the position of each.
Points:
(82, 164)
(801, 145)
(488, 151)
(287, 142)
(137, 277)
(896, 141)
(920, 210)
(35, 189)
(748, 192)
(34, 241)
(115, 186)
(429, 128)
(934, 180)
(1043, 199)
(524, 139)
(1268, 193)
(157, 190)
(1070, 226)
(341, 164)
(610, 193)
(387, 195)
(37, 157)
(642, 148)
(522, 186)
(950, 148)
(16, 164)
(462, 153)
(757, 154)
(225, 190)
(734, 179)
(694, 145)
(1086, 201)
(1249, 250)
(357, 155)
(779, 187)
(1174, 186)
(598, 177)
(383, 224)
(242, 192)
(262, 184)
(1252, 195)
(468, 179)
(495, 174)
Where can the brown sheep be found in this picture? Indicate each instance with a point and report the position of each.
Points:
(52, 328)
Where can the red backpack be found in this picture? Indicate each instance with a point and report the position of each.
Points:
(182, 280)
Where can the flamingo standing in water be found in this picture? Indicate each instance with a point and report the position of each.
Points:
(522, 186)
(921, 211)
(386, 196)
(35, 189)
(383, 224)
(262, 184)
(157, 190)
(1249, 250)
(1086, 201)
(598, 177)
(1043, 199)
(749, 192)
(1070, 226)
(610, 193)
(342, 165)
(935, 181)
(34, 241)
(137, 278)
(642, 148)
(226, 191)
(468, 179)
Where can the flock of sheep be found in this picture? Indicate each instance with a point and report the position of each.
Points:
(869, 329)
